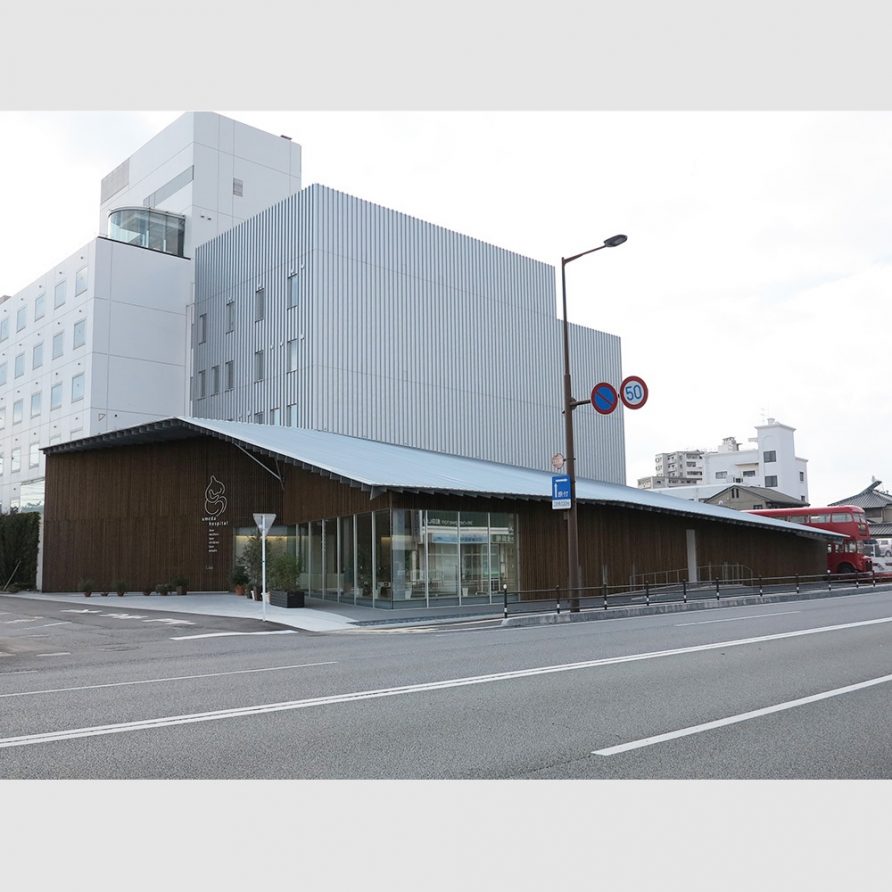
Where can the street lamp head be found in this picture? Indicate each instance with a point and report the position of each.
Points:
(614, 241)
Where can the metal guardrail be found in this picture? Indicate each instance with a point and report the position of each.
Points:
(603, 597)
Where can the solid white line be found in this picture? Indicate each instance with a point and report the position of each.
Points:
(121, 684)
(240, 712)
(742, 717)
(737, 619)
(63, 653)
(229, 634)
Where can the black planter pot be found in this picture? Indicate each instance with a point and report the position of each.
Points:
(278, 598)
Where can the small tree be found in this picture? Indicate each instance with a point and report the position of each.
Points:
(283, 572)
(252, 559)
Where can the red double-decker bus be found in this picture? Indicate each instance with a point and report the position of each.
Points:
(849, 555)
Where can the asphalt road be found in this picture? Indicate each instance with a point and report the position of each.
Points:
(793, 690)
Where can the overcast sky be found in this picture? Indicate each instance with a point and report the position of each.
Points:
(756, 281)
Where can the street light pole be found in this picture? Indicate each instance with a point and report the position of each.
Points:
(570, 404)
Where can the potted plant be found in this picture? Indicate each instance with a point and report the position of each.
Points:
(180, 583)
(86, 586)
(240, 578)
(120, 587)
(147, 590)
(284, 570)
(162, 588)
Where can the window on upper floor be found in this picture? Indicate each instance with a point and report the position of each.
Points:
(21, 318)
(15, 459)
(17, 412)
(80, 334)
(56, 396)
(215, 379)
(292, 355)
(77, 387)
(37, 356)
(19, 367)
(33, 455)
(80, 281)
(2, 417)
(721, 475)
(2, 373)
(749, 473)
(275, 415)
(293, 291)
(230, 315)
(802, 476)
(35, 404)
(230, 374)
(259, 305)
(4, 329)
(771, 480)
(58, 344)
(59, 294)
(200, 388)
(291, 415)
(202, 328)
(769, 456)
(39, 306)
(258, 366)
(258, 418)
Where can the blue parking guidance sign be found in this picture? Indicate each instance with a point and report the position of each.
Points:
(560, 492)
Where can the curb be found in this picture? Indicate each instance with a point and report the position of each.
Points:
(595, 614)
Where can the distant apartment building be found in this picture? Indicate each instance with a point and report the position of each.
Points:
(770, 463)
(675, 469)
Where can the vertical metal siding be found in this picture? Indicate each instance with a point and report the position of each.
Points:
(413, 334)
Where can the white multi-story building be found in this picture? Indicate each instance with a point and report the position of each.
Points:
(771, 462)
(101, 341)
(223, 289)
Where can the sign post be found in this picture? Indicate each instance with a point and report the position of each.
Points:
(264, 524)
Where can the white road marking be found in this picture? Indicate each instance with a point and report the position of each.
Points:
(64, 622)
(171, 622)
(742, 717)
(85, 610)
(736, 619)
(121, 684)
(125, 615)
(228, 634)
(12, 622)
(241, 712)
(63, 653)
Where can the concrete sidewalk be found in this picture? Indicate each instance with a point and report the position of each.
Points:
(318, 616)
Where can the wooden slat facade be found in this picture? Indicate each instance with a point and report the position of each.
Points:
(138, 513)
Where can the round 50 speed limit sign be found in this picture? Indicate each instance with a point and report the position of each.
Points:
(633, 392)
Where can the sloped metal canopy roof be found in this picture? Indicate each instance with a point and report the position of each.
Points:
(380, 467)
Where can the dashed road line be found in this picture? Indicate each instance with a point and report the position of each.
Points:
(741, 717)
(229, 634)
(737, 619)
(63, 653)
(123, 684)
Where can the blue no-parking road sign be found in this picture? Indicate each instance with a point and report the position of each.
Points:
(604, 398)
(560, 492)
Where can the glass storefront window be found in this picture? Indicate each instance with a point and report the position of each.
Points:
(348, 570)
(476, 576)
(330, 553)
(316, 564)
(384, 588)
(409, 579)
(364, 555)
(442, 552)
